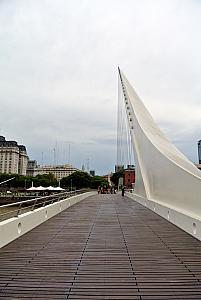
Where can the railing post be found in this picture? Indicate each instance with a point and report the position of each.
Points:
(19, 210)
(33, 206)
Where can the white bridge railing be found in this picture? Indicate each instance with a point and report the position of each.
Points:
(15, 209)
(19, 218)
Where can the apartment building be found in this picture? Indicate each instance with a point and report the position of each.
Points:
(13, 157)
(59, 171)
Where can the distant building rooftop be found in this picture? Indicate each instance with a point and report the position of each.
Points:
(5, 143)
(59, 171)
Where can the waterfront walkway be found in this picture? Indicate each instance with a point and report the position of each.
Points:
(105, 247)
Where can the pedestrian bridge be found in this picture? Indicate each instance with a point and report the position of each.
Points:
(112, 247)
(104, 247)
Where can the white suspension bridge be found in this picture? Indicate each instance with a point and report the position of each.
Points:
(90, 246)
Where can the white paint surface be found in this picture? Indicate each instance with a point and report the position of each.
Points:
(185, 221)
(14, 227)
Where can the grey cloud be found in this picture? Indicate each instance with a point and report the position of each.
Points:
(58, 72)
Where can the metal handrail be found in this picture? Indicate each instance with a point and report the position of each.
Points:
(31, 204)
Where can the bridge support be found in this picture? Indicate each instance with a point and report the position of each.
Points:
(165, 178)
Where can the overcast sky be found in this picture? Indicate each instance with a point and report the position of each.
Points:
(58, 74)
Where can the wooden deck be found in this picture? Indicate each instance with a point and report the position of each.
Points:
(106, 247)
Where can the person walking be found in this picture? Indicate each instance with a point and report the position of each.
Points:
(122, 191)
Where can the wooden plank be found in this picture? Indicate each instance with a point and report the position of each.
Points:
(105, 247)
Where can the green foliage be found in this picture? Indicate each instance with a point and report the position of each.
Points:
(115, 177)
(21, 181)
(77, 179)
(83, 180)
(97, 181)
(45, 180)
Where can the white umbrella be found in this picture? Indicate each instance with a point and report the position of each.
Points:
(50, 188)
(59, 189)
(33, 188)
(40, 188)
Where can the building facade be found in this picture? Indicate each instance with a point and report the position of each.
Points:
(129, 177)
(13, 157)
(59, 171)
(119, 168)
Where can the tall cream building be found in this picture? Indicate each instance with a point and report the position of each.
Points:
(13, 157)
(58, 171)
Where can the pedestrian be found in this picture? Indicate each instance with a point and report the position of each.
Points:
(122, 191)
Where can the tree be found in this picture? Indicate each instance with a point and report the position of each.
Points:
(97, 181)
(115, 177)
(45, 180)
(77, 179)
(21, 181)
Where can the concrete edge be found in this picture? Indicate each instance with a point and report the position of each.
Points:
(13, 228)
(187, 223)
